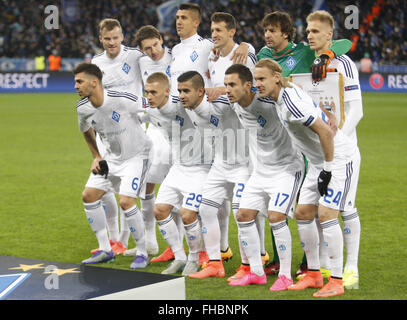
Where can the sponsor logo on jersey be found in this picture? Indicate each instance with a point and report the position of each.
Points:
(290, 63)
(126, 68)
(194, 56)
(116, 116)
(261, 121)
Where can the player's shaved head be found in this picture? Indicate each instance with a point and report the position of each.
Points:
(244, 73)
(193, 8)
(160, 78)
(89, 69)
(194, 77)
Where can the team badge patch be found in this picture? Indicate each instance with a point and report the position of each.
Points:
(168, 71)
(116, 116)
(261, 121)
(214, 120)
(290, 63)
(126, 68)
(194, 56)
(180, 120)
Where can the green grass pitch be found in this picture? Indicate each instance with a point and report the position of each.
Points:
(45, 163)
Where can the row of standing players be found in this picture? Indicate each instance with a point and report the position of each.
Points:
(121, 64)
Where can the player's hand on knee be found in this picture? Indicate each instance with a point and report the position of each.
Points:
(323, 181)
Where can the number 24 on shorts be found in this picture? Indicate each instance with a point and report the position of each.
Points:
(329, 196)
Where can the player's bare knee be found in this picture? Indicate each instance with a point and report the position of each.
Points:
(325, 214)
(245, 215)
(127, 202)
(90, 195)
(150, 188)
(188, 216)
(305, 212)
(161, 212)
(275, 217)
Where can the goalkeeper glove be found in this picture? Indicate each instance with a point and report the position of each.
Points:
(104, 169)
(320, 65)
(323, 181)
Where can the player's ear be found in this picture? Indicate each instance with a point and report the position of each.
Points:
(232, 32)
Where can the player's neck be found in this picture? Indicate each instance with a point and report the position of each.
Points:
(186, 37)
(282, 46)
(324, 48)
(197, 103)
(247, 99)
(164, 103)
(275, 93)
(227, 48)
(97, 97)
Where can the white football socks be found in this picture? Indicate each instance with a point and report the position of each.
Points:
(308, 233)
(351, 237)
(135, 223)
(249, 237)
(333, 237)
(193, 236)
(169, 231)
(282, 237)
(97, 221)
(211, 233)
(223, 217)
(147, 209)
(110, 206)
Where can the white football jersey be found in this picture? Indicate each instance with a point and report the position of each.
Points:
(230, 138)
(298, 112)
(116, 122)
(352, 90)
(271, 148)
(218, 68)
(190, 55)
(188, 145)
(148, 66)
(121, 73)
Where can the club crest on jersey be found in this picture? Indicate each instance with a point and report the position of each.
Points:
(214, 120)
(126, 68)
(116, 116)
(194, 56)
(180, 120)
(261, 121)
(290, 63)
(168, 71)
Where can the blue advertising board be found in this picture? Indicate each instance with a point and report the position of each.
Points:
(48, 81)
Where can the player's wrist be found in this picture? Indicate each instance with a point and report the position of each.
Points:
(328, 166)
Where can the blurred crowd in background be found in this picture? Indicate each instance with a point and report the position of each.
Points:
(382, 38)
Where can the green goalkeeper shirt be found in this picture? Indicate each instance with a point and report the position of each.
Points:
(298, 58)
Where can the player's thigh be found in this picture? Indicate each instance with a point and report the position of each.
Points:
(341, 193)
(282, 192)
(132, 174)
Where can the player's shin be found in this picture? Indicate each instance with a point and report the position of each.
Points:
(193, 236)
(136, 226)
(309, 238)
(210, 230)
(282, 236)
(333, 236)
(97, 221)
(249, 238)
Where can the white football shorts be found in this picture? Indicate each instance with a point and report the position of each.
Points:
(161, 163)
(126, 178)
(277, 192)
(341, 189)
(225, 182)
(182, 187)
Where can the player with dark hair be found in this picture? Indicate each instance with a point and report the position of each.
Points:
(113, 115)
